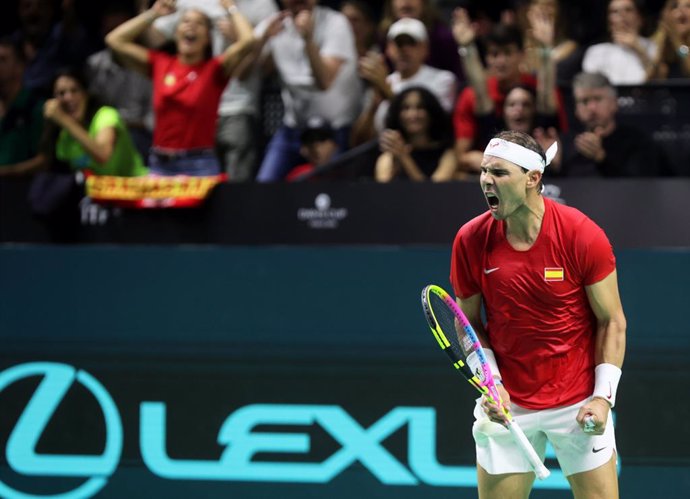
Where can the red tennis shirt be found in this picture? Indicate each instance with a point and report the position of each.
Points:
(185, 101)
(539, 322)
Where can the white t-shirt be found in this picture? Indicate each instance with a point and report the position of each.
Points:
(619, 64)
(240, 96)
(340, 104)
(439, 82)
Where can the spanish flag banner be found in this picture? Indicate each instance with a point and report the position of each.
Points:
(553, 274)
(180, 191)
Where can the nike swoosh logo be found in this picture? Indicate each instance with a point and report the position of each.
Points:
(488, 271)
(610, 392)
(597, 450)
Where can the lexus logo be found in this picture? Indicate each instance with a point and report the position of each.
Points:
(21, 444)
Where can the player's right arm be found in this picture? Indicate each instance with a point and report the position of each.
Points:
(472, 308)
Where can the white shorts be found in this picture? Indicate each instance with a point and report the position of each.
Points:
(576, 450)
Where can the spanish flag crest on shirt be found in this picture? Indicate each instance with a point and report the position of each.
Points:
(553, 274)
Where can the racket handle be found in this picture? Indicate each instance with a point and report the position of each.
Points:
(528, 451)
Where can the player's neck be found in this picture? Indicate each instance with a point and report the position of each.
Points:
(523, 226)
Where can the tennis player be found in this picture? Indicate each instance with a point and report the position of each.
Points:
(554, 330)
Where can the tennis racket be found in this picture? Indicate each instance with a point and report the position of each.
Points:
(456, 337)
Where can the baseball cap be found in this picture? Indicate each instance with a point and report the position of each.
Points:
(410, 27)
(317, 130)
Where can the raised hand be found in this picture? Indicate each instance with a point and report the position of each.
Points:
(372, 67)
(275, 25)
(226, 4)
(463, 29)
(52, 110)
(164, 7)
(542, 25)
(304, 22)
(624, 34)
(225, 24)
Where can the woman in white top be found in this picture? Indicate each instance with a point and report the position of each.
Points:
(628, 58)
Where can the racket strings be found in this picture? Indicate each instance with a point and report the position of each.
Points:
(451, 327)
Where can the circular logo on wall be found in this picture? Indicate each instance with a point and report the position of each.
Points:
(322, 216)
(21, 453)
(322, 202)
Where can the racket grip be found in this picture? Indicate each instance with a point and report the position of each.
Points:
(528, 451)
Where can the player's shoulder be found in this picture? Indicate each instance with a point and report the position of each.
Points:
(477, 227)
(571, 220)
(565, 212)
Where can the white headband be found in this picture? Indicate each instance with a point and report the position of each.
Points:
(521, 156)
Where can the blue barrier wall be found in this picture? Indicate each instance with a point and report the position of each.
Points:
(187, 341)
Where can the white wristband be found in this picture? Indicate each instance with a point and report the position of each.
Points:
(606, 378)
(491, 359)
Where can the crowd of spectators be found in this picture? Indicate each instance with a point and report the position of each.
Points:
(136, 87)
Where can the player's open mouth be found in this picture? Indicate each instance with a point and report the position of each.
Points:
(492, 200)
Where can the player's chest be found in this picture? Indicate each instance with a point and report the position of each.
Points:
(544, 271)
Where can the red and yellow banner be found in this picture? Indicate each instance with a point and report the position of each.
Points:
(180, 191)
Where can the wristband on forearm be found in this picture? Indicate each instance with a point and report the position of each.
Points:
(606, 378)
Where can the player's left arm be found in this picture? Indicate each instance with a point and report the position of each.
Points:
(605, 301)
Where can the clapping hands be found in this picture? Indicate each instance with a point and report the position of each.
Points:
(590, 145)
(391, 141)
